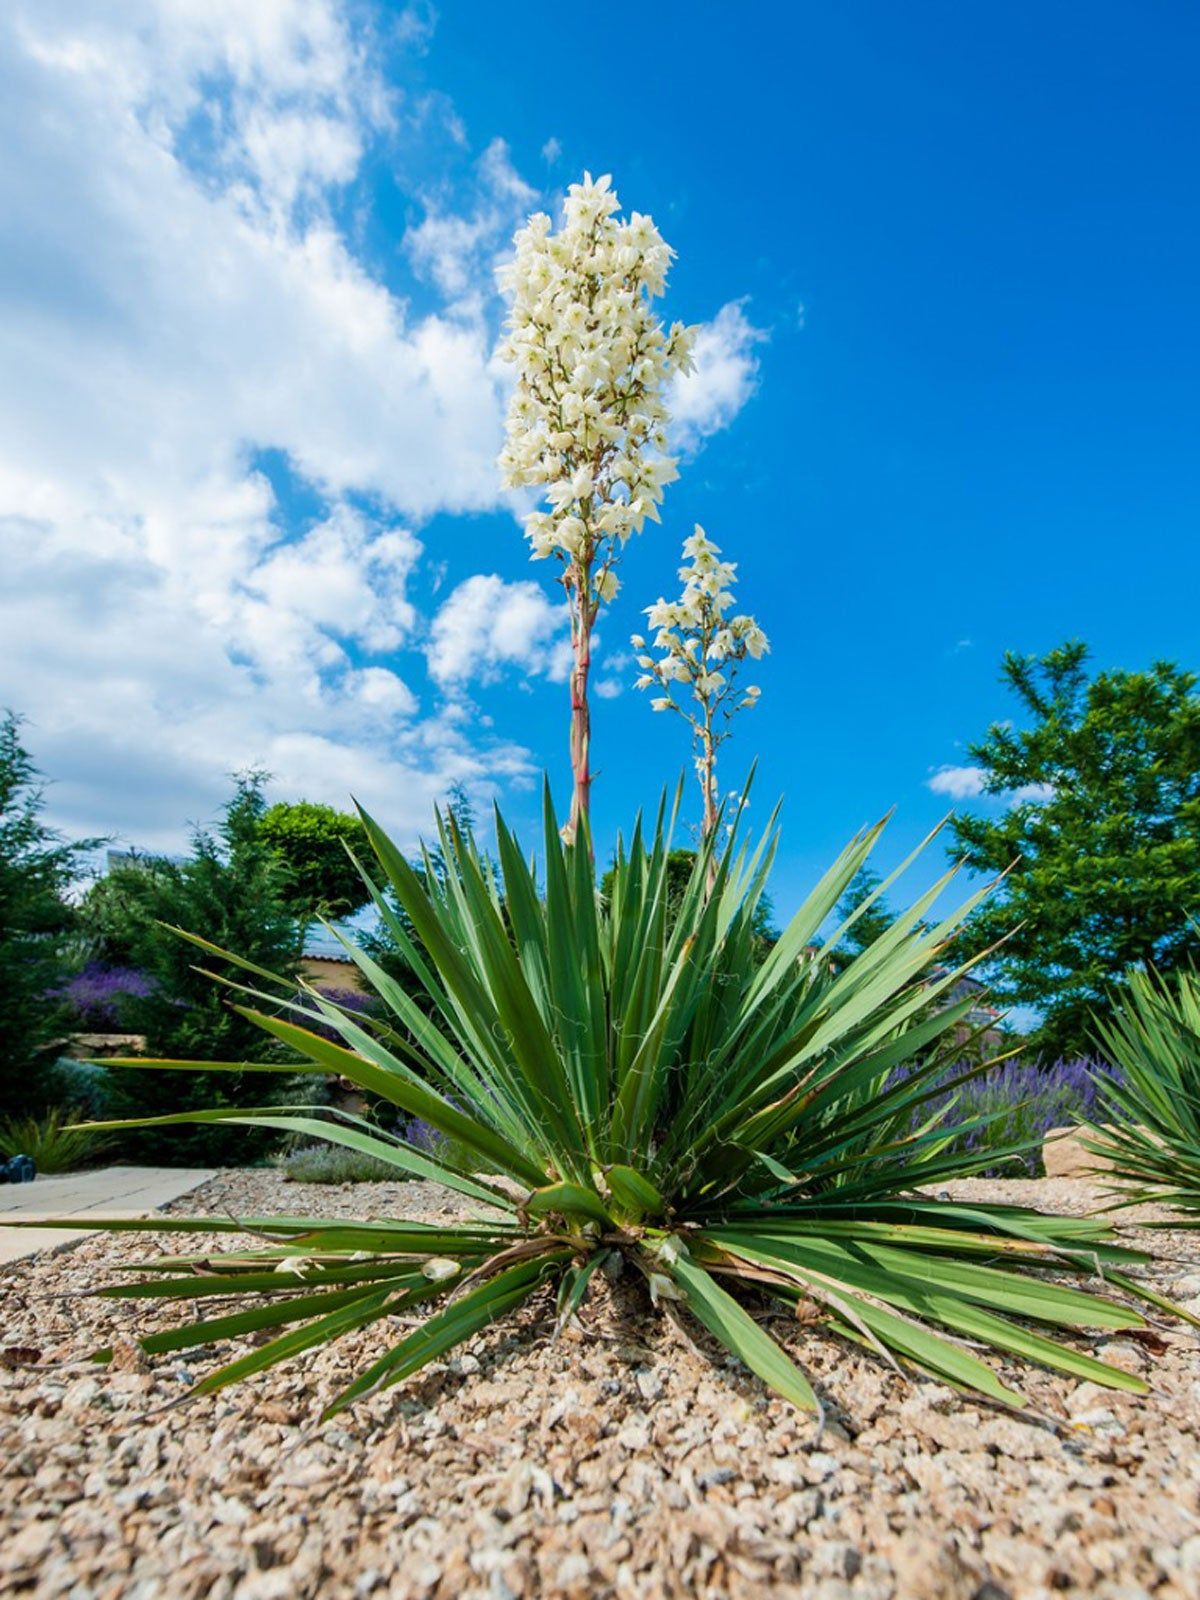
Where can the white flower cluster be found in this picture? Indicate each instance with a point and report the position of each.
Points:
(702, 647)
(587, 417)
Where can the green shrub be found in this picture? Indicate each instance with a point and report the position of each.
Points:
(322, 1163)
(80, 1088)
(311, 841)
(653, 1090)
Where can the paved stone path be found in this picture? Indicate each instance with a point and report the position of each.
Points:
(106, 1192)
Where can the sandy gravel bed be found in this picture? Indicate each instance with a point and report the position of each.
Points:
(623, 1460)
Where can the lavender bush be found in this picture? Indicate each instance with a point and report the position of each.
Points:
(349, 1000)
(323, 1163)
(1033, 1098)
(96, 994)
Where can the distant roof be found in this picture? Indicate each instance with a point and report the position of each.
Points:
(320, 942)
(137, 858)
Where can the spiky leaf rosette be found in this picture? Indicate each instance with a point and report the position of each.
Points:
(1149, 1127)
(614, 1076)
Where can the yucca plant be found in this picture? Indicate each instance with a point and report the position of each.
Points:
(1148, 1127)
(617, 1081)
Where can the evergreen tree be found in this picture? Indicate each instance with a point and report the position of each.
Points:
(36, 920)
(1101, 830)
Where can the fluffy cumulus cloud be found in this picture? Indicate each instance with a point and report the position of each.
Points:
(486, 624)
(1032, 794)
(615, 675)
(959, 783)
(177, 300)
(724, 377)
(182, 301)
(457, 251)
(967, 783)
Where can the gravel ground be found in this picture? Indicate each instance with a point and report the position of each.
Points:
(623, 1460)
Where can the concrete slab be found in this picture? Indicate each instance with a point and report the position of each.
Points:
(106, 1192)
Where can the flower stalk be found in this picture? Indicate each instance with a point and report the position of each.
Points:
(703, 649)
(583, 619)
(587, 418)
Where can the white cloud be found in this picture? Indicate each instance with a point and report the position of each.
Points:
(967, 783)
(457, 253)
(487, 624)
(163, 324)
(177, 298)
(1032, 794)
(141, 709)
(280, 96)
(442, 249)
(344, 579)
(551, 151)
(383, 692)
(960, 783)
(704, 401)
(613, 683)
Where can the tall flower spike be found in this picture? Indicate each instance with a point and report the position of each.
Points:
(587, 419)
(702, 647)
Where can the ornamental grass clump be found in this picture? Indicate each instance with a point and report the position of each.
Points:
(614, 1082)
(54, 1143)
(1148, 1124)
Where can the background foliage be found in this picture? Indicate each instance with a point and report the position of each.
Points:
(1014, 1106)
(233, 881)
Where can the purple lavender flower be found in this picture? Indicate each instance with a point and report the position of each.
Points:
(98, 992)
(349, 1000)
(1030, 1099)
(420, 1135)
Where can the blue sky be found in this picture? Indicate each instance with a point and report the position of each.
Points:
(947, 257)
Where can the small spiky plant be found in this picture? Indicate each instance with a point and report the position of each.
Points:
(54, 1142)
(620, 1079)
(1149, 1127)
